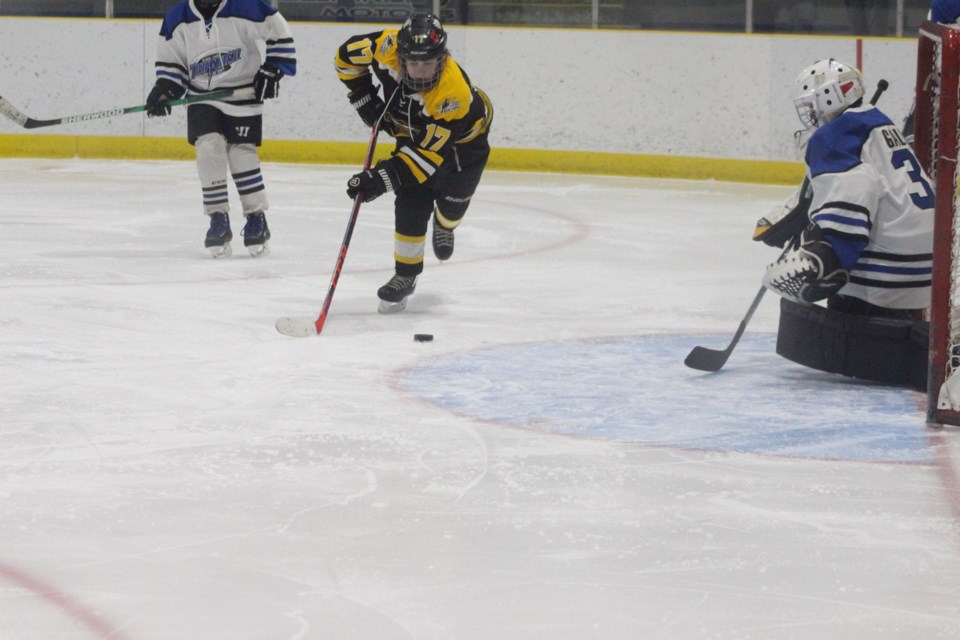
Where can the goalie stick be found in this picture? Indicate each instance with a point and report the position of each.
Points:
(27, 122)
(704, 359)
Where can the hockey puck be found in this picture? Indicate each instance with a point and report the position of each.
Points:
(423, 337)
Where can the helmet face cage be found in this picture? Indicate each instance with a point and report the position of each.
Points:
(421, 39)
(825, 90)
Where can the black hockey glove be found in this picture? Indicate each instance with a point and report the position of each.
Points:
(389, 126)
(809, 272)
(368, 104)
(266, 84)
(373, 183)
(162, 91)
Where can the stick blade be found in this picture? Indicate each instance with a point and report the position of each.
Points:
(297, 327)
(703, 359)
(12, 112)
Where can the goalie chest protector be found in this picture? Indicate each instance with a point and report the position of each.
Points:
(870, 348)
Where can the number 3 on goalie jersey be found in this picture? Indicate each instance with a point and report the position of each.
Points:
(902, 158)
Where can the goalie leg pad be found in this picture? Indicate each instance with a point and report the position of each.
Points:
(882, 350)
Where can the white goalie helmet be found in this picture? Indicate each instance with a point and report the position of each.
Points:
(824, 90)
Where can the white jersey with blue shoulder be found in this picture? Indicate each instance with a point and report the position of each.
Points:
(875, 205)
(225, 51)
(945, 11)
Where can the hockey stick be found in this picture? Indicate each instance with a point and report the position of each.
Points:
(704, 359)
(306, 327)
(882, 86)
(27, 122)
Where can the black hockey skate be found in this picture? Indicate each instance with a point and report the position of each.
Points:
(219, 235)
(442, 241)
(255, 234)
(393, 295)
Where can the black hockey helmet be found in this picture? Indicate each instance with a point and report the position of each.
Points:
(421, 40)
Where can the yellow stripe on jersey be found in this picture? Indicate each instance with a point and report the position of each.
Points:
(414, 163)
(478, 127)
(348, 73)
(422, 163)
(433, 158)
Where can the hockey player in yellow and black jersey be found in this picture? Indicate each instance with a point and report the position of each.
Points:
(440, 122)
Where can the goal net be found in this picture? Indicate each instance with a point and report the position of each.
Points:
(935, 143)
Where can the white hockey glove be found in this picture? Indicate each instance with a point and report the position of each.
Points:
(808, 272)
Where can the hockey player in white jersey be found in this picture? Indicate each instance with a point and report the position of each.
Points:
(215, 45)
(865, 238)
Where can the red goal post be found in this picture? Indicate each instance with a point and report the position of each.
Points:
(935, 143)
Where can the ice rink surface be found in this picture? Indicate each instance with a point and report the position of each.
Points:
(173, 468)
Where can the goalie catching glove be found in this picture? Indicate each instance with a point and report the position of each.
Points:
(785, 222)
(373, 183)
(808, 272)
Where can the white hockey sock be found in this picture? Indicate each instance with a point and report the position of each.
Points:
(212, 168)
(245, 169)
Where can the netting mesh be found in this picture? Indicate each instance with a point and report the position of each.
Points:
(936, 141)
(933, 84)
(949, 397)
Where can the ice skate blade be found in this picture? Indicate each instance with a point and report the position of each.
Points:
(223, 251)
(259, 250)
(297, 327)
(392, 307)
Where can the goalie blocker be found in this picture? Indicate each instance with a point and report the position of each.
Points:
(885, 350)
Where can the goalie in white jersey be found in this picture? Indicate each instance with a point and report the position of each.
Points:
(209, 46)
(865, 223)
